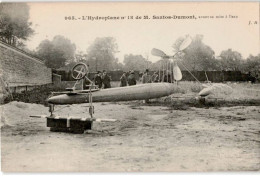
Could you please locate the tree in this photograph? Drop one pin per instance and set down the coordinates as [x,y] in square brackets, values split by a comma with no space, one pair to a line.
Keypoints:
[56,53]
[162,64]
[14,23]
[252,64]
[230,60]
[197,56]
[80,56]
[136,62]
[101,54]
[120,66]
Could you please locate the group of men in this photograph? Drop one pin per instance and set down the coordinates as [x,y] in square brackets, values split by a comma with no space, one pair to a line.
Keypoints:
[146,78]
[128,79]
[101,80]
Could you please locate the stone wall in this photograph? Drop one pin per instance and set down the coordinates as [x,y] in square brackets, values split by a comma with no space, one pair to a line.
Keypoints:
[18,69]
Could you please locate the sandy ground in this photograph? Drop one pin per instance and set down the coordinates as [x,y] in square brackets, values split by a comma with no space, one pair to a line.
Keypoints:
[145,138]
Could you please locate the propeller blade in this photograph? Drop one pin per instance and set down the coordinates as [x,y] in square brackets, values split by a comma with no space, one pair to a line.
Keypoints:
[185,43]
[157,52]
[177,72]
[166,57]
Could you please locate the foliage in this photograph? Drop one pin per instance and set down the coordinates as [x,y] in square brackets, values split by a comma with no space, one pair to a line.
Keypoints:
[80,56]
[197,56]
[230,60]
[162,64]
[136,62]
[101,54]
[252,64]
[14,23]
[37,95]
[56,53]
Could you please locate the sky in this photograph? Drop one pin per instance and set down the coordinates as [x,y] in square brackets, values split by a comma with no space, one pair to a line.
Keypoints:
[139,36]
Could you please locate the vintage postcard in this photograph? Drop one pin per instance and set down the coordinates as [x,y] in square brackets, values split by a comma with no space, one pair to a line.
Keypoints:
[130,86]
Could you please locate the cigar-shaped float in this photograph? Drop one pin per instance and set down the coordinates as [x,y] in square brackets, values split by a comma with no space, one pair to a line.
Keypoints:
[136,92]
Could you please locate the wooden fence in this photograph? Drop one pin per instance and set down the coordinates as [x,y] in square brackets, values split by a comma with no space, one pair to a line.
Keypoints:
[213,76]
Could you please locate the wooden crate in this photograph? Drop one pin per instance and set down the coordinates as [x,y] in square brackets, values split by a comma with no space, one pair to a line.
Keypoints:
[73,125]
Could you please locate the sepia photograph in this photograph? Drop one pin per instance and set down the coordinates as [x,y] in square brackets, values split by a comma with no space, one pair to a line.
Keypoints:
[130,87]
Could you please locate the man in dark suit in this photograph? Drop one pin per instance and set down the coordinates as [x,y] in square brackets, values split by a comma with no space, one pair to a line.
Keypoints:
[98,79]
[106,79]
[123,80]
[131,78]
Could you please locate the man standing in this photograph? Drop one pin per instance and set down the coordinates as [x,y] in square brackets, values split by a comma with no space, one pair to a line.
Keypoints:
[146,79]
[98,80]
[106,80]
[123,80]
[131,78]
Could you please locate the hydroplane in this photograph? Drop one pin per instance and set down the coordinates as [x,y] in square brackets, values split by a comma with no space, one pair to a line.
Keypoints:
[94,94]
[128,93]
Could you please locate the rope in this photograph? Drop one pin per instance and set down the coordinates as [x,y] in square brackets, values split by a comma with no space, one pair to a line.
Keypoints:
[206,76]
[190,72]
[171,72]
[167,71]
[163,71]
[160,65]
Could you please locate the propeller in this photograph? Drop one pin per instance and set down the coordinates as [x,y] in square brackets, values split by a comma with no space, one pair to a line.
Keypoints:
[158,52]
[176,70]
[185,43]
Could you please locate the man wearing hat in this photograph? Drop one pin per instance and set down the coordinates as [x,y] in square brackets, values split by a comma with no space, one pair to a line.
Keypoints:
[106,80]
[123,80]
[131,78]
[98,80]
[146,78]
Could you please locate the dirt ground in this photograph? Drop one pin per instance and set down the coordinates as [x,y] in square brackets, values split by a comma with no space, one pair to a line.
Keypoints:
[144,138]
